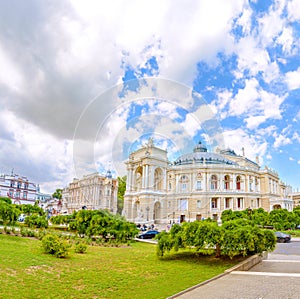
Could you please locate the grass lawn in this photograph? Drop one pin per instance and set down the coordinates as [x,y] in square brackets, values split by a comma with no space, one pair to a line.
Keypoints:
[103,272]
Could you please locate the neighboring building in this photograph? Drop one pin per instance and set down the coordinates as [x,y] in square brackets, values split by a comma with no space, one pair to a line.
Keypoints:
[18,188]
[296,198]
[92,192]
[197,185]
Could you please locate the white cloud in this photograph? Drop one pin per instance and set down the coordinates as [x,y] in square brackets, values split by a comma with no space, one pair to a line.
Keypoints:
[293,79]
[257,104]
[281,140]
[293,10]
[41,157]
[238,139]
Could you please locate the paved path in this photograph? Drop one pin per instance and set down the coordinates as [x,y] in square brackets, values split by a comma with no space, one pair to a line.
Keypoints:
[274,278]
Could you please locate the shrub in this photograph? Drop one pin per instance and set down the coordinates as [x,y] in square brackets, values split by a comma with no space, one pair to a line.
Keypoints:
[80,247]
[53,244]
[36,221]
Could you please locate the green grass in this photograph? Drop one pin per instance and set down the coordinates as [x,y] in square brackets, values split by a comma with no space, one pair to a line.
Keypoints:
[103,272]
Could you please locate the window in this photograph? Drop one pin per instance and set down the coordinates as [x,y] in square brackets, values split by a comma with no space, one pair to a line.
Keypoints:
[18,194]
[170,186]
[19,184]
[198,185]
[182,204]
[198,217]
[226,182]
[251,184]
[183,186]
[213,182]
[227,203]
[239,203]
[238,183]
[11,193]
[12,183]
[257,203]
[198,204]
[214,203]
[25,195]
[26,186]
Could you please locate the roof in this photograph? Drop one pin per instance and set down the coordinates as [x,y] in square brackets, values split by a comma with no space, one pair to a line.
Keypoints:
[200,155]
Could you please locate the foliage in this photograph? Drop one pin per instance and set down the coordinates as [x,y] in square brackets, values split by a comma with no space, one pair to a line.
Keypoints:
[25,232]
[53,244]
[121,192]
[80,247]
[57,194]
[36,221]
[8,213]
[233,238]
[101,223]
[62,219]
[28,209]
[280,219]
[6,199]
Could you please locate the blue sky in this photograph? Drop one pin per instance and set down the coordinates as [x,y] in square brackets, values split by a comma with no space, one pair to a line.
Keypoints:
[84,83]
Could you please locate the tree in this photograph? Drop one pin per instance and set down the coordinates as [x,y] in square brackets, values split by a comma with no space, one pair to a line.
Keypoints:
[121,192]
[6,199]
[8,212]
[57,194]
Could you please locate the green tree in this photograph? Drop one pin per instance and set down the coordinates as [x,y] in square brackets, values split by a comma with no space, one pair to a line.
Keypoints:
[6,199]
[57,194]
[121,192]
[31,209]
[8,213]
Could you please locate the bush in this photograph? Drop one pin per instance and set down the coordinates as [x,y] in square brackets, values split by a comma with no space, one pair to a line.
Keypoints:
[27,232]
[80,247]
[36,221]
[53,244]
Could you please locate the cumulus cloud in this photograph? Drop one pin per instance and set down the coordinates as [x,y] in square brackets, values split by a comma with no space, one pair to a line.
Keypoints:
[65,70]
[293,79]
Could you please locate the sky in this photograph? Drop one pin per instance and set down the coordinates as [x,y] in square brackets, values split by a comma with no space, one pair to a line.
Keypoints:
[84,83]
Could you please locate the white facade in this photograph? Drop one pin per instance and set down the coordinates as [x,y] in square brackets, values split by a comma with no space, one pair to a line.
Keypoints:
[18,188]
[92,192]
[197,185]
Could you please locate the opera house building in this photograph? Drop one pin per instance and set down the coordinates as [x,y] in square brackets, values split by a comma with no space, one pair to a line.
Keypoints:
[197,185]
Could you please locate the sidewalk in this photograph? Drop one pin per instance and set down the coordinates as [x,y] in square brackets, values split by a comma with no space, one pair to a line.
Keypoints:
[276,277]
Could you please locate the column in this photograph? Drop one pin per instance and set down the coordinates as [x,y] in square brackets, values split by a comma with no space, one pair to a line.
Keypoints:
[143,177]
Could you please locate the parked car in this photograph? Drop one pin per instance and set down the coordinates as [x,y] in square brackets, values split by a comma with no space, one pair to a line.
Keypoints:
[282,237]
[21,218]
[150,234]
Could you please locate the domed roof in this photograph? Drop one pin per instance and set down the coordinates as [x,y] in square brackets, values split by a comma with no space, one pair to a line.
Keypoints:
[200,155]
[200,148]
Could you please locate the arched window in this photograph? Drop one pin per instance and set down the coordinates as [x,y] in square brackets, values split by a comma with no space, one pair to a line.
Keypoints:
[213,182]
[226,182]
[238,182]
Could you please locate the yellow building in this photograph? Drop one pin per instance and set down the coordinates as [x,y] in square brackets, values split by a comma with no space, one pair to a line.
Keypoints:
[92,192]
[197,185]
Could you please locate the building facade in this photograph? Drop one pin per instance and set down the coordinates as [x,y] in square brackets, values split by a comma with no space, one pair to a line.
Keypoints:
[197,185]
[18,188]
[92,192]
[296,198]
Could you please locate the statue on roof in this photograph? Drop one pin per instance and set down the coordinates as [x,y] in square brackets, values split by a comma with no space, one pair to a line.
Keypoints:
[150,142]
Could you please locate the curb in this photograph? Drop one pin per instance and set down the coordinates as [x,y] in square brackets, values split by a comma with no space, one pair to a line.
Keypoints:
[242,266]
